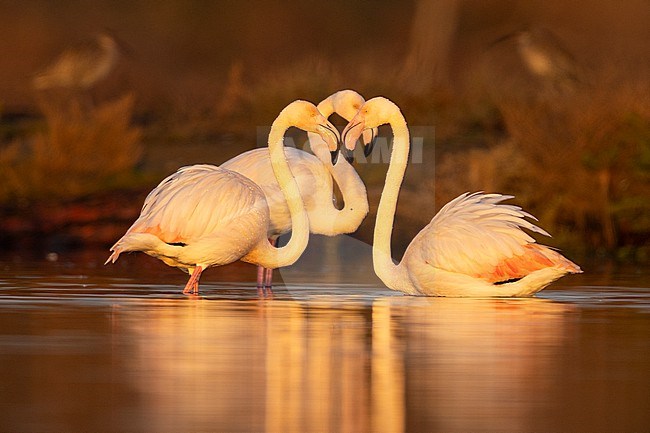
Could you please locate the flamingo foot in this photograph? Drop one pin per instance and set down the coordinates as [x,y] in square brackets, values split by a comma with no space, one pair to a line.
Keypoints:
[192,286]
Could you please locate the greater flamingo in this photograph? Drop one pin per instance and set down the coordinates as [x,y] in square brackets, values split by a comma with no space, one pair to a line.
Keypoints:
[314,177]
[474,246]
[204,215]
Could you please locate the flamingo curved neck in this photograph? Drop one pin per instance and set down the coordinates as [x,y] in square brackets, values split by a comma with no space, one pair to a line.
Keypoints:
[394,276]
[355,199]
[316,143]
[353,190]
[266,254]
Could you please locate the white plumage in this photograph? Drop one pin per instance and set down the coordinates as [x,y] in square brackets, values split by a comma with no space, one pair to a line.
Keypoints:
[479,223]
[309,172]
[474,246]
[314,176]
[204,216]
[192,211]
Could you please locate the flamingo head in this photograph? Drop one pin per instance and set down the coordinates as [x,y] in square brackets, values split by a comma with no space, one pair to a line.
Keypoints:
[374,113]
[305,115]
[347,103]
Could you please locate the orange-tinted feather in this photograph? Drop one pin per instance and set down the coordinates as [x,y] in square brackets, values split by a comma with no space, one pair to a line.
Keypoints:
[534,258]
[164,236]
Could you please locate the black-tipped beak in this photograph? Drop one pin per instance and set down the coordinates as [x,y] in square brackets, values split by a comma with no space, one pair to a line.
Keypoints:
[335,156]
[367,149]
[348,154]
[334,153]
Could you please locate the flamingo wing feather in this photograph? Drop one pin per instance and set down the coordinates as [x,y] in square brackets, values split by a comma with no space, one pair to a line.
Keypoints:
[195,202]
[477,235]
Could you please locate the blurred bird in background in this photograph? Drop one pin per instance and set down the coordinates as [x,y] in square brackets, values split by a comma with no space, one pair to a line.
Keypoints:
[545,57]
[80,68]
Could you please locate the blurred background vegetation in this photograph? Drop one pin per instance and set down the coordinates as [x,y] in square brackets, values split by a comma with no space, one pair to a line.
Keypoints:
[545,100]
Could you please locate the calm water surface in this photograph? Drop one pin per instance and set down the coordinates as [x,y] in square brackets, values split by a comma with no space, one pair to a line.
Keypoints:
[85,347]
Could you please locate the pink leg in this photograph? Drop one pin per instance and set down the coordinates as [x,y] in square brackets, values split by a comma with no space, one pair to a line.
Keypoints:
[260,277]
[192,286]
[268,273]
[268,278]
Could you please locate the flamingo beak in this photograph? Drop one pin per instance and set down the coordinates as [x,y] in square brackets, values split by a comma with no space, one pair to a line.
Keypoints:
[368,146]
[335,156]
[333,139]
[352,132]
[348,155]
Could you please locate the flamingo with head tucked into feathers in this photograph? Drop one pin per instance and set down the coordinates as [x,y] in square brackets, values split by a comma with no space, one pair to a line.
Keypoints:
[204,215]
[314,177]
[474,246]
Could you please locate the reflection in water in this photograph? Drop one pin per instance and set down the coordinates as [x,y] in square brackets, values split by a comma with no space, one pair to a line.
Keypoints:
[388,376]
[195,365]
[257,364]
[95,353]
[316,366]
[321,366]
[484,360]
